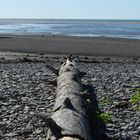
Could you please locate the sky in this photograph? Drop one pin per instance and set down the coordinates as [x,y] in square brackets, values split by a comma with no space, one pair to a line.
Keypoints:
[70,9]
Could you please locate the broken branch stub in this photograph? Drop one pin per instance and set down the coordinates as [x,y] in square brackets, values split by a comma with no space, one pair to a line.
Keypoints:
[69,120]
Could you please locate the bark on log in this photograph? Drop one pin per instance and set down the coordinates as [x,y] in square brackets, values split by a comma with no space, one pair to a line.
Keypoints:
[69,120]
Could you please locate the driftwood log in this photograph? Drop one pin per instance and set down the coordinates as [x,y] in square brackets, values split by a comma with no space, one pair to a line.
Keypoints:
[69,120]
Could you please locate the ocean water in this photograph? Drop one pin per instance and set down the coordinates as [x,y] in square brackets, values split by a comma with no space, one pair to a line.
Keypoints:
[92,28]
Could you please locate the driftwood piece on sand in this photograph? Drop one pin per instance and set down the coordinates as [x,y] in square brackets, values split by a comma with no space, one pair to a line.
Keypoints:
[69,120]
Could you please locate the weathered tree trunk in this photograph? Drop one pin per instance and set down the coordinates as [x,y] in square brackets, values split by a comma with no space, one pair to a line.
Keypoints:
[69,120]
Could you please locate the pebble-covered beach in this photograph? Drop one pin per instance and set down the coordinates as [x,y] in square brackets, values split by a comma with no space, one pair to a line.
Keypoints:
[27,98]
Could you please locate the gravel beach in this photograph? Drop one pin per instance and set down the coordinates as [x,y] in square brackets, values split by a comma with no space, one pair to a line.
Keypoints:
[27,98]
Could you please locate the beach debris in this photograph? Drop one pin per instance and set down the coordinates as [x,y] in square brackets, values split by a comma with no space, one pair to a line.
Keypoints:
[5,37]
[40,53]
[86,57]
[122,104]
[68,120]
[54,70]
[25,59]
[2,58]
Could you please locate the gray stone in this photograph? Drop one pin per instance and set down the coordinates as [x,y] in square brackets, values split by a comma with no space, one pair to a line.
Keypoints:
[125,136]
[124,128]
[26,109]
[131,124]
[11,135]
[138,130]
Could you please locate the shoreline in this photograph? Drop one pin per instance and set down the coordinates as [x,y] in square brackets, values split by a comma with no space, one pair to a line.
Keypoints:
[67,35]
[64,45]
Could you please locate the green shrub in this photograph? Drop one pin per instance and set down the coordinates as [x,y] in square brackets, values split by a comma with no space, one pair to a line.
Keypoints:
[138,108]
[135,98]
[104,117]
[104,102]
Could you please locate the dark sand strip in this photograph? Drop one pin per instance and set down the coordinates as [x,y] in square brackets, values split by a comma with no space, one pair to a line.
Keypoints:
[97,46]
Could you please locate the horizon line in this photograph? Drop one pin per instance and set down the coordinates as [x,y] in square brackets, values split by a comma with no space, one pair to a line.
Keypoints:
[69,18]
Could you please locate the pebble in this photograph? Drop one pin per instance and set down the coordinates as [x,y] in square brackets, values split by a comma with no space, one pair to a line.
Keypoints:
[26,109]
[125,136]
[138,129]
[124,128]
[11,135]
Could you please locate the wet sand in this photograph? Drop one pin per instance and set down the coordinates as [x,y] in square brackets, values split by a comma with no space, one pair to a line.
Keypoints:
[50,44]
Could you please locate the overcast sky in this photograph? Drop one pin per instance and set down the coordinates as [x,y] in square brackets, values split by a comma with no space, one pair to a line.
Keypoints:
[71,9]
